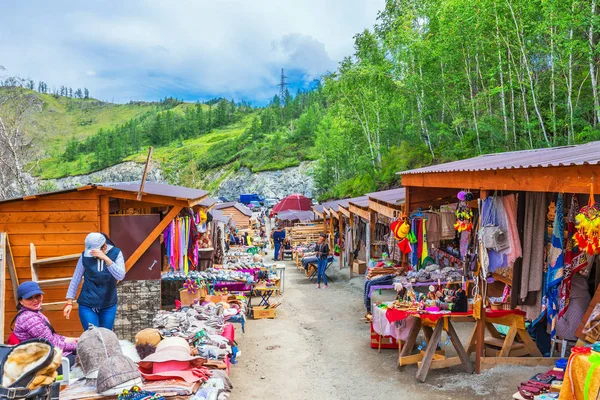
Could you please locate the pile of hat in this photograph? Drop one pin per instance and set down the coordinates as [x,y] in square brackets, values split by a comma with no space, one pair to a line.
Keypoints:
[104,364]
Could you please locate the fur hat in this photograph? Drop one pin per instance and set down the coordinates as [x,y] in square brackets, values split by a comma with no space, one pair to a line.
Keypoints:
[115,374]
[94,347]
[31,364]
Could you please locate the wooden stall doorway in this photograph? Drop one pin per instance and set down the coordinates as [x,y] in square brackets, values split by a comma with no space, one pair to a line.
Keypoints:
[139,293]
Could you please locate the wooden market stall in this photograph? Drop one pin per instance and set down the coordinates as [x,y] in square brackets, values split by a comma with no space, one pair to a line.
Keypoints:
[237,211]
[563,170]
[44,237]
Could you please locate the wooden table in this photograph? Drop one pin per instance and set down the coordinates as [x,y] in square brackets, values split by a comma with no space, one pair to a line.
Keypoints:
[498,345]
[433,326]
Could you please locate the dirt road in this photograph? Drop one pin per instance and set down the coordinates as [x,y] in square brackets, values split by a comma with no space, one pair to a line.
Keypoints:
[318,348]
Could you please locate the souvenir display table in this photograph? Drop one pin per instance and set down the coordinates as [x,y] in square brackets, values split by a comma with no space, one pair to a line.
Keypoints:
[265,294]
[432,324]
[507,345]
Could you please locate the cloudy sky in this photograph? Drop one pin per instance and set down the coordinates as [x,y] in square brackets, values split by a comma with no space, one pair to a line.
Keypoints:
[190,49]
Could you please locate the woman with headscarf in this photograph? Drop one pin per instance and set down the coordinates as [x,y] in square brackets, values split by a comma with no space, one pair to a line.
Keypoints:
[101,265]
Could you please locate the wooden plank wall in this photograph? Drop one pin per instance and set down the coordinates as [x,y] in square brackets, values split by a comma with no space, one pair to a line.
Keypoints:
[57,225]
[242,221]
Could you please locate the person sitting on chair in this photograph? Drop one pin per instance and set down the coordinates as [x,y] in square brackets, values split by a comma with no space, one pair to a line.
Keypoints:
[30,323]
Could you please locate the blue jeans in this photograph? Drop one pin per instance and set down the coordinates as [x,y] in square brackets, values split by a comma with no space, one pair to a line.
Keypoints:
[321,266]
[100,317]
[276,254]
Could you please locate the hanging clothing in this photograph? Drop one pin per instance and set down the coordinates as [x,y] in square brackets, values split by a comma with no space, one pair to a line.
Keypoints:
[532,275]
[434,229]
[425,249]
[394,252]
[555,265]
[574,260]
[515,250]
[447,221]
[569,319]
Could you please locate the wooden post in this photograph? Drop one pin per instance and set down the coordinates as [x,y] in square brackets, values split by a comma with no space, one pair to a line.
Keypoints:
[372,223]
[146,167]
[480,344]
[341,228]
[2,283]
[104,213]
[351,260]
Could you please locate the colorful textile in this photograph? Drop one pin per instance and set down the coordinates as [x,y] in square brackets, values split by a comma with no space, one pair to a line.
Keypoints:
[394,315]
[574,261]
[510,207]
[555,265]
[425,251]
[578,382]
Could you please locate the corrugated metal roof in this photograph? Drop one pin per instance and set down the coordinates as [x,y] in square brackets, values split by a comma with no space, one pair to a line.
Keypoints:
[392,196]
[160,189]
[208,202]
[242,208]
[318,208]
[153,188]
[362,201]
[583,154]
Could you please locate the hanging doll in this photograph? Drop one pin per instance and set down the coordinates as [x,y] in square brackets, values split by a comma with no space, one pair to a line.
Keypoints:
[587,236]
[464,214]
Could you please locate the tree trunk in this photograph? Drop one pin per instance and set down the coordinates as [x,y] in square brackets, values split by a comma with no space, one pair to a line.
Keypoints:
[500,70]
[592,49]
[475,124]
[521,43]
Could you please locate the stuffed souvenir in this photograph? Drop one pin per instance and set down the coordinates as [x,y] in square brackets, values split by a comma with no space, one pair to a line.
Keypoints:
[464,214]
[587,223]
[191,286]
[400,230]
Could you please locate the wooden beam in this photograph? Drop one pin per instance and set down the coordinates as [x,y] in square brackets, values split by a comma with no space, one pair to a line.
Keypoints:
[359,211]
[150,198]
[388,211]
[351,260]
[2,283]
[570,179]
[195,202]
[144,174]
[104,214]
[344,211]
[139,252]
[491,362]
[12,270]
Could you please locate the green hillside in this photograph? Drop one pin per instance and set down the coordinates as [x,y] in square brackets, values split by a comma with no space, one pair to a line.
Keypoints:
[191,140]
[63,118]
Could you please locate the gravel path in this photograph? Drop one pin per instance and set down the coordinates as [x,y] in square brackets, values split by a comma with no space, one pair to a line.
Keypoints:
[318,348]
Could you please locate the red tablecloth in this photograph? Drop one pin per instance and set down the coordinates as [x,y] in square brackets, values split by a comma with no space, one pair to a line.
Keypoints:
[394,315]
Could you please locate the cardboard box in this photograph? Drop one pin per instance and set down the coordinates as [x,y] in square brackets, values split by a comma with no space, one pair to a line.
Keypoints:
[261,312]
[359,267]
[187,299]
[387,342]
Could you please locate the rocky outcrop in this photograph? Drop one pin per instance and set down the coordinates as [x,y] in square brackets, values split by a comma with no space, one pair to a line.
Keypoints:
[271,184]
[124,172]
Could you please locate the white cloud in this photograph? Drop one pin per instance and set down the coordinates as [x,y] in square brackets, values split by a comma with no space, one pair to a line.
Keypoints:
[192,49]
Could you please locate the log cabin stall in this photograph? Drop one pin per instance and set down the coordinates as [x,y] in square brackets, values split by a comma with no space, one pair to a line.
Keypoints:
[535,227]
[43,237]
[240,214]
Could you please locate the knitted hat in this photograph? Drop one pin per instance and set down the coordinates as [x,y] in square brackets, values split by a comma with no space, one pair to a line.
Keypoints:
[115,374]
[94,347]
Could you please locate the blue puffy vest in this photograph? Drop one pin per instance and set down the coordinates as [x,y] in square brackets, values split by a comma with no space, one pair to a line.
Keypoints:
[99,288]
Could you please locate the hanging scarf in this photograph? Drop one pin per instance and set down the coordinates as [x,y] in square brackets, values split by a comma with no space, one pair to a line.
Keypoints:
[555,271]
[425,252]
[573,260]
[413,255]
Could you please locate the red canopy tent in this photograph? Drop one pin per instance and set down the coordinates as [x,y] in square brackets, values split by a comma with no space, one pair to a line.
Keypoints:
[293,202]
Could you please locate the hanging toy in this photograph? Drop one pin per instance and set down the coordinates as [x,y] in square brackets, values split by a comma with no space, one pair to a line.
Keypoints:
[464,214]
[191,286]
[400,229]
[587,223]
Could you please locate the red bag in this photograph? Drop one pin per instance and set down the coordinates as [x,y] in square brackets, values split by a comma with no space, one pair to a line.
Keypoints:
[13,340]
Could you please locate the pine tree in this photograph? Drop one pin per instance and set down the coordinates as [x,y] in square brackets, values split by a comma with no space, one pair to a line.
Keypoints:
[86,93]
[70,92]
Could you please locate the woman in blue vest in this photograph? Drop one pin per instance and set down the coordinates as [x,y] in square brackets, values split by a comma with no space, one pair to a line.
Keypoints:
[101,265]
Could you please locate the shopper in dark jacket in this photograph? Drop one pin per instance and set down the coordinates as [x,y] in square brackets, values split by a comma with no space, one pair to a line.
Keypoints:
[322,251]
